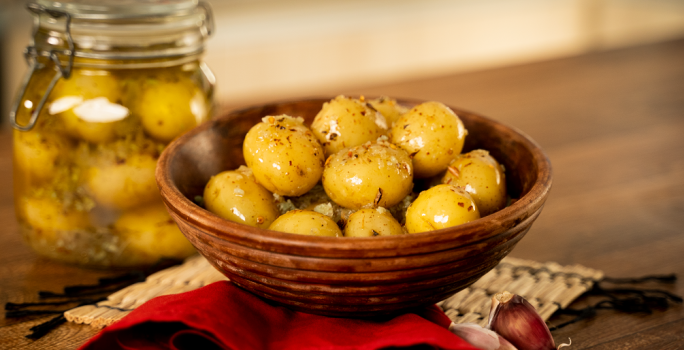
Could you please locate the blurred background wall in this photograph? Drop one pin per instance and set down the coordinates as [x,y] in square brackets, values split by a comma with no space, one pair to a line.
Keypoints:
[275,49]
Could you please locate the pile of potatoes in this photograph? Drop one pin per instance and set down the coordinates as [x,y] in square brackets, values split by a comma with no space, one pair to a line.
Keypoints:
[351,172]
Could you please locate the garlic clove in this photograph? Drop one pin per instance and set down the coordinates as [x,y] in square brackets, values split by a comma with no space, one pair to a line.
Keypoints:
[64,103]
[100,110]
[515,319]
[480,337]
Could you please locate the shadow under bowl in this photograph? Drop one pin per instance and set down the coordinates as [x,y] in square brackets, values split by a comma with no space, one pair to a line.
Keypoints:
[348,277]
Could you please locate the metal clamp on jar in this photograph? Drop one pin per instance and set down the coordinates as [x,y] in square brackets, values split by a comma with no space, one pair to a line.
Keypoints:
[110,84]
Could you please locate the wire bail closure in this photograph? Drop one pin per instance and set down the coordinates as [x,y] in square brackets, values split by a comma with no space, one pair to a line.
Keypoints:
[31,55]
[209,25]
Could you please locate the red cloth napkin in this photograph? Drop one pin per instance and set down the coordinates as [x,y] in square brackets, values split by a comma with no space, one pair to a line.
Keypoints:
[224,316]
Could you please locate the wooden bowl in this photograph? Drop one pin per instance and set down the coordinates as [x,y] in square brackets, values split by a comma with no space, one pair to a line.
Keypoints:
[349,277]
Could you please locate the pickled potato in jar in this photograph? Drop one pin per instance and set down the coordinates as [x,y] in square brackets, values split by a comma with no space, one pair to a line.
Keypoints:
[86,171]
[88,105]
[168,105]
[150,234]
[124,184]
[39,154]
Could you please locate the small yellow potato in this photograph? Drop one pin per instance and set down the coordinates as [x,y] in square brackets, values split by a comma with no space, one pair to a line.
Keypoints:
[389,108]
[440,207]
[92,131]
[432,134]
[149,231]
[236,196]
[368,176]
[482,176]
[88,84]
[125,184]
[284,155]
[87,131]
[49,215]
[37,154]
[306,222]
[169,108]
[346,122]
[372,222]
[84,85]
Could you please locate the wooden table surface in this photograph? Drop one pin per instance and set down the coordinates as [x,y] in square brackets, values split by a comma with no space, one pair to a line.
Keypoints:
[612,124]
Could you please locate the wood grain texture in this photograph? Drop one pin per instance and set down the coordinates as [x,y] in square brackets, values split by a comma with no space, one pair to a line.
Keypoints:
[611,124]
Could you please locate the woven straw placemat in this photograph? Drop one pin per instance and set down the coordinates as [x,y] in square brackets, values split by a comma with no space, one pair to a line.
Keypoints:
[547,286]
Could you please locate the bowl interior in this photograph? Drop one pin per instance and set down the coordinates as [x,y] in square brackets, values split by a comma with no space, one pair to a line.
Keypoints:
[217,146]
[190,161]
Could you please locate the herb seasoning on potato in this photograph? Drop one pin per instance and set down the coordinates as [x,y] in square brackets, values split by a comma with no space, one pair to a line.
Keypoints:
[432,134]
[346,122]
[482,177]
[306,222]
[366,190]
[368,176]
[440,207]
[236,196]
[284,155]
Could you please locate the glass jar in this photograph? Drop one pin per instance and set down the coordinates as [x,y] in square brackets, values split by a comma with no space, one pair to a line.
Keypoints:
[110,84]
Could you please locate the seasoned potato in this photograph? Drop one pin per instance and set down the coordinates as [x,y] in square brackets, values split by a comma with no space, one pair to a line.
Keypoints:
[482,176]
[70,100]
[168,108]
[372,222]
[345,122]
[150,232]
[284,155]
[368,176]
[432,134]
[48,214]
[306,222]
[389,108]
[236,196]
[37,153]
[440,207]
[125,184]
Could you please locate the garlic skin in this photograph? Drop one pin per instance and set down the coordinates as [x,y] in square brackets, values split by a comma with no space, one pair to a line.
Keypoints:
[480,337]
[100,110]
[515,319]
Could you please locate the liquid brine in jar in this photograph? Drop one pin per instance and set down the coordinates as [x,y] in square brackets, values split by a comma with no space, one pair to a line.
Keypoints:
[110,84]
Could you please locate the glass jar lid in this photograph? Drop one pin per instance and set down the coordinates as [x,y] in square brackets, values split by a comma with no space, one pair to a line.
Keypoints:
[119,9]
[110,33]
[122,29]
